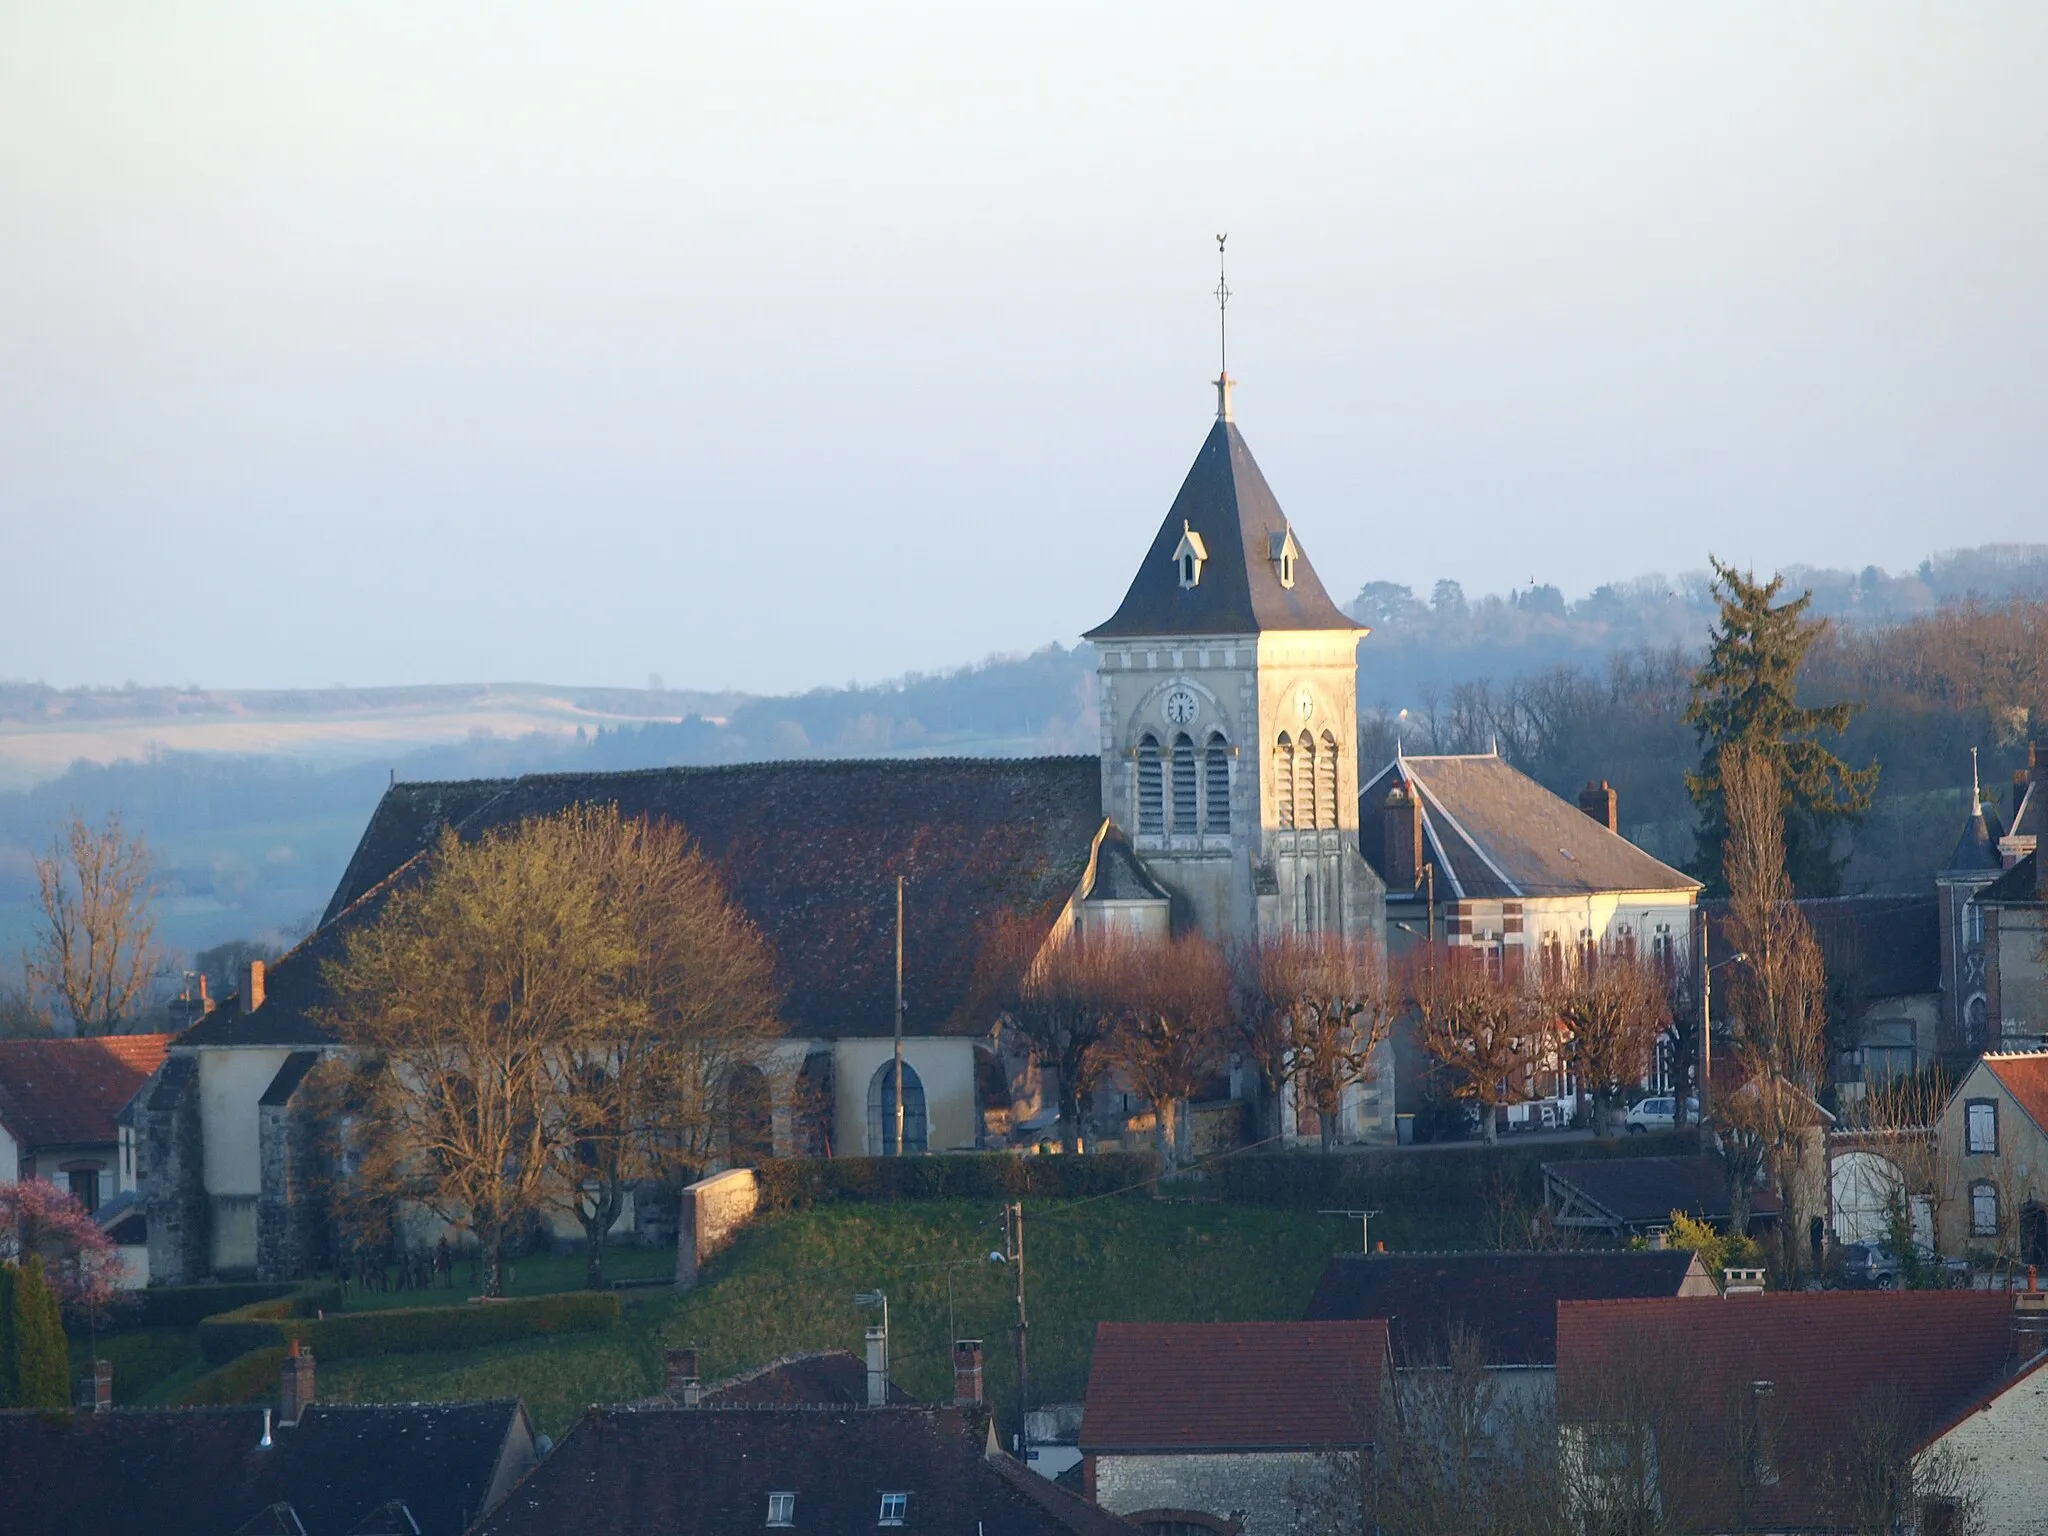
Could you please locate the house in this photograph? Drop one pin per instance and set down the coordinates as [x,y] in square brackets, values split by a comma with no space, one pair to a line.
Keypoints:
[741,1470]
[1795,1410]
[1993,1151]
[1972,864]
[825,1378]
[302,1469]
[60,1103]
[2013,912]
[1228,1426]
[1633,1196]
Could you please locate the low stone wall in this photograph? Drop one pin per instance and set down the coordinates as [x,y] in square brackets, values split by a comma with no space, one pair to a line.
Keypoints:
[712,1211]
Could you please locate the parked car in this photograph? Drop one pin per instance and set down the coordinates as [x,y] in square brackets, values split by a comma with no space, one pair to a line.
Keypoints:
[1659,1113]
[1872,1266]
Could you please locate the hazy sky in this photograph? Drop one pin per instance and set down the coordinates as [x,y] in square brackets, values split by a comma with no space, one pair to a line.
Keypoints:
[771,346]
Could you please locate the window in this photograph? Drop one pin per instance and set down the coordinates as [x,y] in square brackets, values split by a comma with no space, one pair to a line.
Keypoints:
[882,1110]
[1550,958]
[893,1505]
[1973,925]
[1283,782]
[1184,780]
[1983,1209]
[1188,556]
[85,1188]
[1151,788]
[782,1509]
[1983,1125]
[1326,782]
[1216,771]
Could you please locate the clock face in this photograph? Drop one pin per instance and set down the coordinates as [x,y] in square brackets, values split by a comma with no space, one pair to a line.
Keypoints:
[1180,706]
[1305,703]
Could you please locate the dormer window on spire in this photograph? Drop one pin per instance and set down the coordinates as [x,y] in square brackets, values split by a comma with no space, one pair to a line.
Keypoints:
[1189,555]
[1282,550]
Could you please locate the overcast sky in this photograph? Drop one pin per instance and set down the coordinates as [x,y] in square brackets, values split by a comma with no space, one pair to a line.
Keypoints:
[771,346]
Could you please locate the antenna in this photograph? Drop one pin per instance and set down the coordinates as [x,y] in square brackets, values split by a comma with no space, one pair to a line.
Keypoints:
[1223,379]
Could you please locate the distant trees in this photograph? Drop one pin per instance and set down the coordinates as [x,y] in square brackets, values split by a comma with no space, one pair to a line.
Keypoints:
[1746,694]
[1312,1009]
[553,1010]
[95,945]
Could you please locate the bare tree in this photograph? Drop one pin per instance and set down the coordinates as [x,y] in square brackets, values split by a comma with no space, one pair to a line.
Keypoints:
[1485,1031]
[1062,997]
[1778,991]
[1170,1036]
[1313,1008]
[1879,1479]
[95,945]
[1615,1006]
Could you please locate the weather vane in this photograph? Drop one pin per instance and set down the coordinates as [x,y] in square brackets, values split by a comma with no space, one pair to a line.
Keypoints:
[1222,306]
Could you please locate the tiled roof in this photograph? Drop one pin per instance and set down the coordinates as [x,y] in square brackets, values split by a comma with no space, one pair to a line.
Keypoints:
[1644,1191]
[1226,502]
[1829,1357]
[830,1376]
[2017,887]
[202,1471]
[810,850]
[1493,832]
[685,1472]
[1233,1386]
[1508,1301]
[56,1093]
[2024,1075]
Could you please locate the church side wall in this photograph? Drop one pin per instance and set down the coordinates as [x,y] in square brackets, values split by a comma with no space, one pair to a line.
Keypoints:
[231,1085]
[945,1069]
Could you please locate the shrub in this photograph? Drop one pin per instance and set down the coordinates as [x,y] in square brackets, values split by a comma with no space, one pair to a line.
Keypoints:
[245,1379]
[35,1357]
[797,1183]
[181,1306]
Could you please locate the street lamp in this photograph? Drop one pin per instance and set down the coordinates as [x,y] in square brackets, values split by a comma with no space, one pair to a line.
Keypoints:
[1707,1016]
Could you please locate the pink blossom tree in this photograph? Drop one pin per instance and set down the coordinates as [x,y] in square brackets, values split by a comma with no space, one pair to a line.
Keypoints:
[82,1263]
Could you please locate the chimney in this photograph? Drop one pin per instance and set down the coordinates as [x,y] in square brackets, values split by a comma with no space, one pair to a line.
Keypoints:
[1742,1282]
[1402,818]
[1600,802]
[878,1367]
[2019,792]
[2029,1320]
[967,1373]
[205,1002]
[680,1382]
[102,1385]
[295,1391]
[252,986]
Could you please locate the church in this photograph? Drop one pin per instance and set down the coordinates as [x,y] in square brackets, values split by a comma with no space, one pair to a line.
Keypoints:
[1224,799]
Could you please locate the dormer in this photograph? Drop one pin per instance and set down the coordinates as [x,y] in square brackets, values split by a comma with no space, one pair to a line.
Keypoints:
[1282,551]
[1188,557]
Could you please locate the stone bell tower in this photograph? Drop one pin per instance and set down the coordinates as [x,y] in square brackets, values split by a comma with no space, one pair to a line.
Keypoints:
[1229,713]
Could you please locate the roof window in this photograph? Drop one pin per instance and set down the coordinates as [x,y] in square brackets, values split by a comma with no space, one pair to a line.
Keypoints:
[893,1506]
[1283,551]
[1189,555]
[782,1509]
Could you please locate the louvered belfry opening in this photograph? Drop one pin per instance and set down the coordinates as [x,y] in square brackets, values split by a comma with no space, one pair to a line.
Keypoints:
[1283,782]
[1151,789]
[1185,815]
[1216,765]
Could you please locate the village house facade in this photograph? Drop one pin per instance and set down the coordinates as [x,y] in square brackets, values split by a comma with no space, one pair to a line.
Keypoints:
[1993,1139]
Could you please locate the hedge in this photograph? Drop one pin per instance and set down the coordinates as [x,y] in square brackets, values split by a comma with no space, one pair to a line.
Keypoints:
[223,1337]
[1453,1176]
[796,1183]
[181,1306]
[247,1378]
[409,1330]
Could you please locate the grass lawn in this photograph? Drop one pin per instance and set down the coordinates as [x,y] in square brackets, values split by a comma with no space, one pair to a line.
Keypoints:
[788,1285]
[537,1275]
[143,1359]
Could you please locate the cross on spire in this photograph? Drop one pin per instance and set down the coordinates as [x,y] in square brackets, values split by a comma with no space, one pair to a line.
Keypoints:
[1223,379]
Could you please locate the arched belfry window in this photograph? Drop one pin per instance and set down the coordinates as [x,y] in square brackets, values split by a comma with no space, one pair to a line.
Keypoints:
[1151,788]
[1216,773]
[1184,780]
[1326,782]
[1305,781]
[882,1111]
[1283,781]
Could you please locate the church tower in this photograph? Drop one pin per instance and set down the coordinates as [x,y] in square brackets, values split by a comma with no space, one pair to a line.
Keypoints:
[1229,713]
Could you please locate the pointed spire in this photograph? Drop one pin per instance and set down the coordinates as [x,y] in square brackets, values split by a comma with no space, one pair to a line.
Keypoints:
[1976,787]
[1224,382]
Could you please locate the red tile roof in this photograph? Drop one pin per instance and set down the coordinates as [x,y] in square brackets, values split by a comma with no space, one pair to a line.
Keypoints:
[1233,1386]
[2024,1075]
[61,1093]
[1831,1358]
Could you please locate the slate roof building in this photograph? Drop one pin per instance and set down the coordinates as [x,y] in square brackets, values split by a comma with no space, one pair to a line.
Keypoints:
[1631,1196]
[2013,918]
[724,1472]
[1191,1425]
[1972,865]
[1755,1413]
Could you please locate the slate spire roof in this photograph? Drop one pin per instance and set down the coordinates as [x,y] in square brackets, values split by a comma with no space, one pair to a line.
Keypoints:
[1230,511]
[1976,850]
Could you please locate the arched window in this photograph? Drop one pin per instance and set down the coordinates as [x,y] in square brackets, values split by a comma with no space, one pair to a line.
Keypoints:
[1184,780]
[1305,781]
[882,1111]
[749,1115]
[1151,788]
[1326,782]
[1283,782]
[1216,769]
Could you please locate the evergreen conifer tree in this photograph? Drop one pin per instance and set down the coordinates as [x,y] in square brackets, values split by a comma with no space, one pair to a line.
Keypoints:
[1746,694]
[38,1352]
[9,1383]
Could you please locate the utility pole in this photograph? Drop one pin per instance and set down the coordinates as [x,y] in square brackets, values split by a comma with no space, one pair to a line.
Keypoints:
[1016,1257]
[1706,1020]
[1429,877]
[899,1015]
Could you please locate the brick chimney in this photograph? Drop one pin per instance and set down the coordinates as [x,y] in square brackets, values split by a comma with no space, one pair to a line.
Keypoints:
[967,1373]
[680,1382]
[1402,818]
[295,1391]
[1742,1281]
[102,1385]
[1600,802]
[878,1367]
[252,986]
